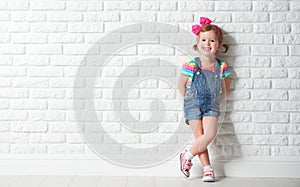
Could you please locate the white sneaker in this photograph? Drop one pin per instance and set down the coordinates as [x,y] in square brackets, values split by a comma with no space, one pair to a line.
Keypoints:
[208,175]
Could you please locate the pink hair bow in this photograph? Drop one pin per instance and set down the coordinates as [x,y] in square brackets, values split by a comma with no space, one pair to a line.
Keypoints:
[203,21]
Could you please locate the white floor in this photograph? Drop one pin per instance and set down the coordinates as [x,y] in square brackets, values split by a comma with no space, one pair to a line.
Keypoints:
[105,181]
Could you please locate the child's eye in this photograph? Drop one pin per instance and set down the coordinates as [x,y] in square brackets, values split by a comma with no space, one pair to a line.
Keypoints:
[212,40]
[203,40]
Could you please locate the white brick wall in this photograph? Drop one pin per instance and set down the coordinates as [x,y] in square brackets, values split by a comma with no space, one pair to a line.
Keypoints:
[42,44]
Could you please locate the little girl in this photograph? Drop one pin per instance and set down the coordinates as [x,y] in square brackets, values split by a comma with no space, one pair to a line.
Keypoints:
[204,83]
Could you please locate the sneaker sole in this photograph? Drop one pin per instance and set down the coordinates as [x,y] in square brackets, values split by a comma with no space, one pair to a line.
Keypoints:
[185,174]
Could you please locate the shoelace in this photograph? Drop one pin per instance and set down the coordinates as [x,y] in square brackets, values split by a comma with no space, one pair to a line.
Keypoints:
[208,172]
[187,164]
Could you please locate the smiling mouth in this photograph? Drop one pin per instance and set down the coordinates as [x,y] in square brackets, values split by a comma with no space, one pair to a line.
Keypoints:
[206,48]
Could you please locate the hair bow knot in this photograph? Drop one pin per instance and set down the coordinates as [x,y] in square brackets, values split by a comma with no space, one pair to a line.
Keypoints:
[203,21]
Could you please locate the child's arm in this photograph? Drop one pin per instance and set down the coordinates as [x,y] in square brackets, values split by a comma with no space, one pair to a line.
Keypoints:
[226,88]
[181,84]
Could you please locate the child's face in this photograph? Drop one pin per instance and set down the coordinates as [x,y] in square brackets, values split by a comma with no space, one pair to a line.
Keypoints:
[208,43]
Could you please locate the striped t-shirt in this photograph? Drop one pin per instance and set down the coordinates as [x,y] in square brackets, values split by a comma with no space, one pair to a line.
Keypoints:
[189,68]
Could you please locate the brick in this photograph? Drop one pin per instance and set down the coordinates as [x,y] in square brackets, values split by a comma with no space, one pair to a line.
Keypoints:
[66,60]
[270,6]
[58,126]
[47,5]
[10,49]
[167,5]
[10,71]
[237,28]
[30,39]
[85,27]
[138,17]
[6,60]
[294,95]
[269,95]
[65,105]
[155,50]
[81,49]
[295,50]
[47,138]
[294,6]
[269,73]
[85,5]
[238,117]
[13,138]
[103,16]
[66,83]
[13,93]
[111,49]
[233,6]
[65,148]
[121,5]
[285,150]
[20,5]
[158,138]
[252,62]
[123,138]
[64,16]
[251,17]
[243,50]
[293,17]
[4,126]
[63,38]
[240,73]
[253,38]
[294,73]
[4,148]
[77,138]
[272,117]
[31,82]
[261,84]
[29,127]
[279,17]
[272,28]
[3,5]
[223,140]
[48,27]
[294,140]
[174,17]
[262,50]
[195,6]
[45,71]
[28,149]
[28,105]
[219,18]
[251,150]
[150,6]
[239,95]
[290,61]
[286,106]
[270,140]
[286,84]
[287,39]
[29,16]
[54,115]
[242,83]
[250,106]
[5,16]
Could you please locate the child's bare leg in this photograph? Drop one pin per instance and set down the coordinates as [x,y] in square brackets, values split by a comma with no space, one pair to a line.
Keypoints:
[197,128]
[210,125]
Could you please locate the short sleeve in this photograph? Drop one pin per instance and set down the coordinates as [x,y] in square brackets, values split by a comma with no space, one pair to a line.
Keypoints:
[188,68]
[224,70]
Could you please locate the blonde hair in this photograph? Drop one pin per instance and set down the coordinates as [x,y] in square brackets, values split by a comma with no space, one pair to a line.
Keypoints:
[218,32]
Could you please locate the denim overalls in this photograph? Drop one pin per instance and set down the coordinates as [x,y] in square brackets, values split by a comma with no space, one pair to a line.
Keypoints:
[204,96]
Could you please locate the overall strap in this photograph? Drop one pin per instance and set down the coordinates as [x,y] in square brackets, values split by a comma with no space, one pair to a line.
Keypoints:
[197,61]
[218,65]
